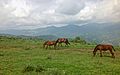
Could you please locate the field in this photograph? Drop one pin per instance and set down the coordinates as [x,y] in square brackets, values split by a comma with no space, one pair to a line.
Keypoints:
[27,57]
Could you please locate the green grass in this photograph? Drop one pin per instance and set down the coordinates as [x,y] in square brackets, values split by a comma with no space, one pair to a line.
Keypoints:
[27,57]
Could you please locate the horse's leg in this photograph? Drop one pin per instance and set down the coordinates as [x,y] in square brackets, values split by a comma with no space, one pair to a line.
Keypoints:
[66,44]
[100,53]
[113,56]
[54,46]
[61,44]
[58,44]
[43,46]
[46,46]
[49,46]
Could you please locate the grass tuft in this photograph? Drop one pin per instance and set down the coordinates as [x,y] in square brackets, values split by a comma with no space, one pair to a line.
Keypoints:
[39,68]
[1,54]
[29,68]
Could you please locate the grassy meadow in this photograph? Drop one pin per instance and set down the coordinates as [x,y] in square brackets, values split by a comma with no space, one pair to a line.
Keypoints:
[27,57]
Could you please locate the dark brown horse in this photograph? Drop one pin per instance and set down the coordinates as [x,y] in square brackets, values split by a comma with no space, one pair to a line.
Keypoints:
[104,47]
[49,43]
[62,40]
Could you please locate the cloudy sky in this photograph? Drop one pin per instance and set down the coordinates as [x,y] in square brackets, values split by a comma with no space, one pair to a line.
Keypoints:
[28,14]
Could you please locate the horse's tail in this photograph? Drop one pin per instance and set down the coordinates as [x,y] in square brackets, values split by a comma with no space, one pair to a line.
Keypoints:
[113,48]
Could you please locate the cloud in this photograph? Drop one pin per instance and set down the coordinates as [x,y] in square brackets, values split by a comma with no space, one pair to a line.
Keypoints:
[108,10]
[40,13]
[69,7]
[105,10]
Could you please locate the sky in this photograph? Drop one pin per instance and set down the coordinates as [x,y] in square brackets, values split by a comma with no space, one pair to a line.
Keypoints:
[30,14]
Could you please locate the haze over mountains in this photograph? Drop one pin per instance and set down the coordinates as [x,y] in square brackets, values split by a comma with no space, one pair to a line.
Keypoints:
[98,32]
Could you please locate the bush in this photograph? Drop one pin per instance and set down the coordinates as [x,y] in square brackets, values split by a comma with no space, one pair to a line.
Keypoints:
[79,40]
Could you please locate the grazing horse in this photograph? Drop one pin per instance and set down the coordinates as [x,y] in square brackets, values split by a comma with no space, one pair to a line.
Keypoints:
[104,47]
[49,43]
[62,40]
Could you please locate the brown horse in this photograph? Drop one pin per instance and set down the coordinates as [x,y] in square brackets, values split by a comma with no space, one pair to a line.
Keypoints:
[104,47]
[62,40]
[49,43]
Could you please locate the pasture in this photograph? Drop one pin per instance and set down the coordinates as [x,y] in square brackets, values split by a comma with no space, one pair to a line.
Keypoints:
[27,57]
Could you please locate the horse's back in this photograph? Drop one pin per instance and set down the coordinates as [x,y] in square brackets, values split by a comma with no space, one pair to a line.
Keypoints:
[104,46]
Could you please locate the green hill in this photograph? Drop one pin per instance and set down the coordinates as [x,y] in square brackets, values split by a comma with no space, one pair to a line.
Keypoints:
[98,32]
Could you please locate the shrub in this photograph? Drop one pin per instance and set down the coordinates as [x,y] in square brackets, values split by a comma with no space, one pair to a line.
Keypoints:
[79,40]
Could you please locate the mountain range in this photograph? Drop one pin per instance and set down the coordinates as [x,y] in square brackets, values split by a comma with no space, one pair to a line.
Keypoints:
[98,32]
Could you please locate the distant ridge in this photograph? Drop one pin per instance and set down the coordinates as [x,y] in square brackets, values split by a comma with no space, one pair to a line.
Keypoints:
[42,37]
[98,32]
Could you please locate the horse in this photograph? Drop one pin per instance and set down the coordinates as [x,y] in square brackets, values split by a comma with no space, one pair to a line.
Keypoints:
[49,43]
[104,47]
[62,40]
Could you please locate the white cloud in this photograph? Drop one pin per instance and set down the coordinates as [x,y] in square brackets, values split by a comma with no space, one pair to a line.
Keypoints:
[21,8]
[106,10]
[40,13]
[13,12]
[69,7]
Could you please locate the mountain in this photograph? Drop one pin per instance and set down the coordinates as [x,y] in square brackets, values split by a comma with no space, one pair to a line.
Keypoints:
[98,32]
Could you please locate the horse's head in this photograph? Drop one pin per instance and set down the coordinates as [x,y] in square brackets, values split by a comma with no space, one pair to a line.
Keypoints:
[95,50]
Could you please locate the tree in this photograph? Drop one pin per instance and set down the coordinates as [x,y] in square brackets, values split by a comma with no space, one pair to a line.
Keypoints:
[79,40]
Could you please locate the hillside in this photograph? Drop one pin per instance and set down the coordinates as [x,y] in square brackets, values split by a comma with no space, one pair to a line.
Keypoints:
[98,32]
